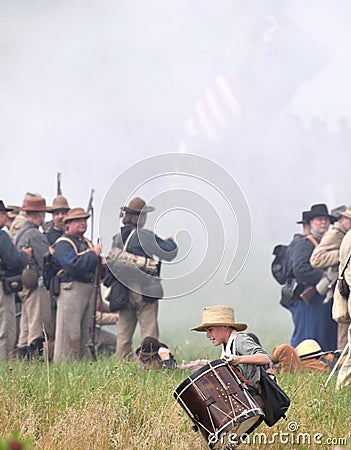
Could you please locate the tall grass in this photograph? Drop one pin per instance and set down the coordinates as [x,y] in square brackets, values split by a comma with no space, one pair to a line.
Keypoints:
[107,406]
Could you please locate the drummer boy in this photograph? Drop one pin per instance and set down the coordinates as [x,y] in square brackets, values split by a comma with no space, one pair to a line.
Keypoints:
[239,349]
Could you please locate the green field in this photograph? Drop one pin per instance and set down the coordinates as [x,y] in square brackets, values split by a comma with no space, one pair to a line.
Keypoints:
[102,405]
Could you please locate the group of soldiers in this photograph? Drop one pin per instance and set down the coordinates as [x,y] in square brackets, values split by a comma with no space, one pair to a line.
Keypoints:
[317,257]
[56,330]
[55,274]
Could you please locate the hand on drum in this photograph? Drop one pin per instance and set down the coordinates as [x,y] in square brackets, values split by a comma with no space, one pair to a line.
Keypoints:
[234,360]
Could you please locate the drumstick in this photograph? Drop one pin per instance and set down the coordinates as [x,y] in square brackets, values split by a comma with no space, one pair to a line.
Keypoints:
[336,365]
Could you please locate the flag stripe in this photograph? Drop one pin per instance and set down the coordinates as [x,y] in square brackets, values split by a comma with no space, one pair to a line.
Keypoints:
[212,111]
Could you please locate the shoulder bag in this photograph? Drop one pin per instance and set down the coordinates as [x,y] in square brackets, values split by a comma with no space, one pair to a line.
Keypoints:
[340,310]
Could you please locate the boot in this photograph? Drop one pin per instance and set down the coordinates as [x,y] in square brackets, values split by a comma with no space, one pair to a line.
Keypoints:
[22,353]
[36,349]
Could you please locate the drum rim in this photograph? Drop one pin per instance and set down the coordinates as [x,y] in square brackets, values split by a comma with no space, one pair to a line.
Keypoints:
[226,429]
[199,372]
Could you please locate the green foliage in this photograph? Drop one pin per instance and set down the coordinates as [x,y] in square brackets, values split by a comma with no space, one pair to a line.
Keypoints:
[107,406]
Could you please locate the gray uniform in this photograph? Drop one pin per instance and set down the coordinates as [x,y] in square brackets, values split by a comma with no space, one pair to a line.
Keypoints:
[36,321]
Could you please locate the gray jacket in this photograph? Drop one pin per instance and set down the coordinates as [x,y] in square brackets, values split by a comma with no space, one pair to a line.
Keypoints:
[242,344]
[30,236]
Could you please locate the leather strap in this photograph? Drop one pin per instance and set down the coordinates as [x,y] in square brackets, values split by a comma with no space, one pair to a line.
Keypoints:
[312,239]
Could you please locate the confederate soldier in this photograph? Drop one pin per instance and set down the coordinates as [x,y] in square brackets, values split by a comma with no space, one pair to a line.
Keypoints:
[21,217]
[10,217]
[140,307]
[307,355]
[12,262]
[344,375]
[36,320]
[312,317]
[78,259]
[326,256]
[59,211]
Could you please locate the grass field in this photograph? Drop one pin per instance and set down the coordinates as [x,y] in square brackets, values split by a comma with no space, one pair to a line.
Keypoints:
[103,406]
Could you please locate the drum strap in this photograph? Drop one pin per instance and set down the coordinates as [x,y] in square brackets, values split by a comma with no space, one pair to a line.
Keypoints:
[240,375]
[231,348]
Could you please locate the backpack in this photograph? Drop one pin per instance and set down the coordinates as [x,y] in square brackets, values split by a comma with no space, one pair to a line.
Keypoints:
[280,267]
[276,401]
[50,270]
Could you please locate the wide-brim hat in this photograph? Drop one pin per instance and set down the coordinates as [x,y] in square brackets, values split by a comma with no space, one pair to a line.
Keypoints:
[309,348]
[137,206]
[336,212]
[304,217]
[219,316]
[319,210]
[14,211]
[36,204]
[76,213]
[60,203]
[347,212]
[3,207]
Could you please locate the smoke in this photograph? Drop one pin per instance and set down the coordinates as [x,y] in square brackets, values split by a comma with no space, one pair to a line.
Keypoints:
[89,88]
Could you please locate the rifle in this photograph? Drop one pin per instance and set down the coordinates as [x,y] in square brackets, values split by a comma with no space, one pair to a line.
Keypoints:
[90,209]
[59,190]
[97,297]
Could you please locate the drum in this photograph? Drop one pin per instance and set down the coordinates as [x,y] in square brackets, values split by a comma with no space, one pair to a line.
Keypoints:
[219,404]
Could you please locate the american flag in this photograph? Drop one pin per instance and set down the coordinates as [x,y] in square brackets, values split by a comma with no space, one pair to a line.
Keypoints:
[212,111]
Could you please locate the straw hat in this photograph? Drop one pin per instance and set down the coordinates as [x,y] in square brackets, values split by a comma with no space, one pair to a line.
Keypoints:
[219,316]
[60,203]
[309,348]
[76,213]
[136,206]
[36,204]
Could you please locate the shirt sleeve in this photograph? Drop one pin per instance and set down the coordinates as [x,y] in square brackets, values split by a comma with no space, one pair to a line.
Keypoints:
[13,260]
[153,245]
[75,265]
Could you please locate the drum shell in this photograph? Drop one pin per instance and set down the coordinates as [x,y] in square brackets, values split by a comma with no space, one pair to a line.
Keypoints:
[218,402]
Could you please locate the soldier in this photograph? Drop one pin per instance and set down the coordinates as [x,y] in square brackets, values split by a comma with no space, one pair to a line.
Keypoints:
[59,211]
[78,258]
[140,307]
[307,355]
[12,262]
[344,375]
[21,217]
[311,316]
[326,256]
[10,217]
[36,319]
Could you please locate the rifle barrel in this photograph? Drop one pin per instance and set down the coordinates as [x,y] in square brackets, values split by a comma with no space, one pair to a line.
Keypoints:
[59,191]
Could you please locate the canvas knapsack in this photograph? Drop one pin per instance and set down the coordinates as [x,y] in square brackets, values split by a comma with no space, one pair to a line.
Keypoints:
[280,267]
[276,401]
